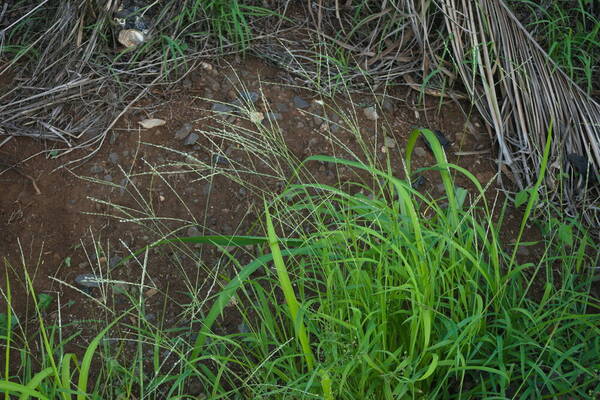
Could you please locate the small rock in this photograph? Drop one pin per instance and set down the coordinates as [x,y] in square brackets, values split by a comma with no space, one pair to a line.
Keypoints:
[219,159]
[299,102]
[191,139]
[243,328]
[256,117]
[113,261]
[182,132]
[108,178]
[371,113]
[215,86]
[282,107]
[96,169]
[389,142]
[87,280]
[273,116]
[113,137]
[444,142]
[419,152]
[523,251]
[152,123]
[388,105]
[418,181]
[193,231]
[187,83]
[113,158]
[248,97]
[221,108]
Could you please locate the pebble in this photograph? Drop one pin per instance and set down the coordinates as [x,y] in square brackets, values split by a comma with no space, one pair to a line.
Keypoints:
[108,178]
[299,102]
[113,158]
[193,231]
[221,108]
[371,113]
[273,116]
[96,169]
[389,142]
[182,132]
[87,280]
[191,139]
[113,137]
[187,83]
[113,261]
[523,251]
[419,151]
[248,97]
[282,107]
[215,86]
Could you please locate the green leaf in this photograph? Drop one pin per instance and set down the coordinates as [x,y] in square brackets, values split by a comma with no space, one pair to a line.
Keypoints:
[44,301]
[565,233]
[521,198]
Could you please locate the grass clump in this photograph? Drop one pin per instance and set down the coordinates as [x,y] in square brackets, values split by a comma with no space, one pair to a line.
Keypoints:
[367,289]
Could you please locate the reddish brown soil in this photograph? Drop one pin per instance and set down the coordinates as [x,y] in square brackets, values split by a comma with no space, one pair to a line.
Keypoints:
[54,232]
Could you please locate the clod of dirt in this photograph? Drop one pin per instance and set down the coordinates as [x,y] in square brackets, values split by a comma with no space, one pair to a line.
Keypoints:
[299,102]
[371,113]
[182,132]
[152,123]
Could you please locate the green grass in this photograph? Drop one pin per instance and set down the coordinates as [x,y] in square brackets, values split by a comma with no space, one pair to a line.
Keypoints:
[570,34]
[382,293]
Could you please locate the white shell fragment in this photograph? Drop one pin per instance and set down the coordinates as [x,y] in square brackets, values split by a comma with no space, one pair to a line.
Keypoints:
[152,123]
[131,37]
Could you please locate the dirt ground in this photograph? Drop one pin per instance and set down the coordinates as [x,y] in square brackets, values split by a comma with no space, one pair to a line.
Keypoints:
[54,234]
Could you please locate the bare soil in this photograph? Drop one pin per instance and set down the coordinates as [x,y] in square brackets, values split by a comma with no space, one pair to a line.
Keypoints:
[53,234]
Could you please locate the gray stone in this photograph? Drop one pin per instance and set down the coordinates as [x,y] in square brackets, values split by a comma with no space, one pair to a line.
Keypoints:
[113,158]
[299,102]
[96,169]
[221,108]
[273,116]
[113,261]
[282,107]
[187,83]
[108,178]
[191,139]
[419,152]
[193,231]
[371,113]
[389,142]
[248,97]
[182,132]
[87,280]
[113,137]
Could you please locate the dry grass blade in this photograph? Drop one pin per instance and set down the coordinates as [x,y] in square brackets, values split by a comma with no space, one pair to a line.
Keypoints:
[520,91]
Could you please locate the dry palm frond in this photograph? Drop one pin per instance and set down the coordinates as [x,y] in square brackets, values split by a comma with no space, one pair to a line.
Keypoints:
[520,91]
